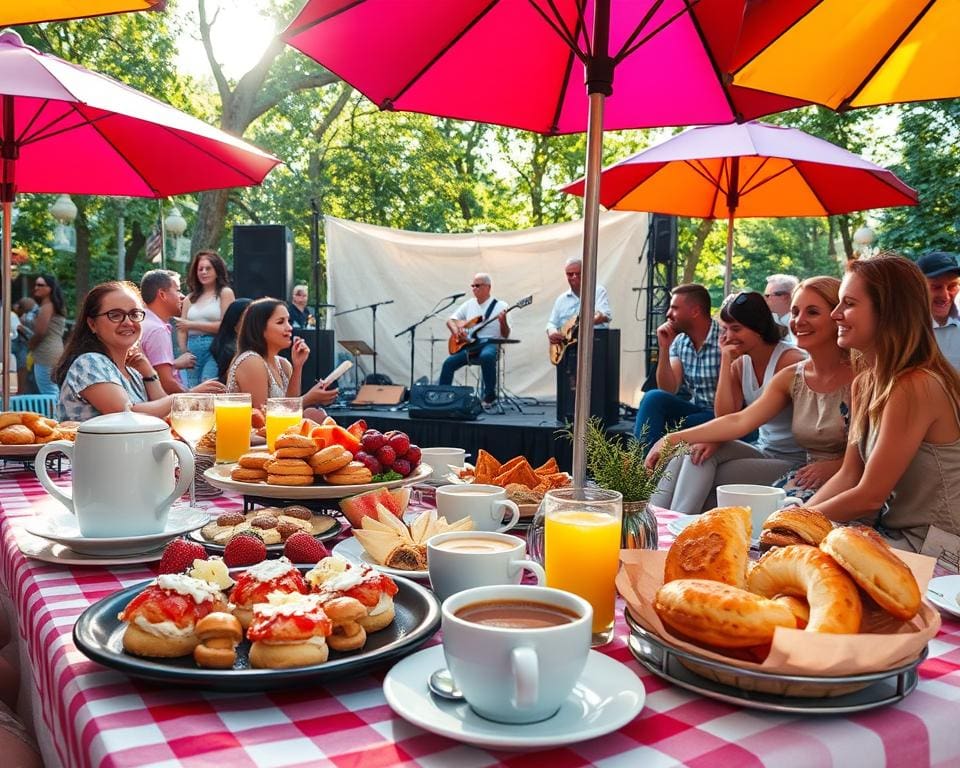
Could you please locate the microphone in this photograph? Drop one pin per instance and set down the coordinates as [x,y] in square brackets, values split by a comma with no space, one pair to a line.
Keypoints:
[456,296]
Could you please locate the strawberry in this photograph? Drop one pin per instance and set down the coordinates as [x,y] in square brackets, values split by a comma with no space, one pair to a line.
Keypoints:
[179,554]
[303,548]
[244,549]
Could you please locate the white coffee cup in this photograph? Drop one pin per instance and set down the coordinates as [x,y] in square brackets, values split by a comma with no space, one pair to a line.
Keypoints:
[763,501]
[516,675]
[441,459]
[485,504]
[462,560]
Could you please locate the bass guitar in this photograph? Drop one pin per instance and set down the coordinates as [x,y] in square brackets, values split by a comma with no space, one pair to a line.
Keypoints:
[473,326]
[569,331]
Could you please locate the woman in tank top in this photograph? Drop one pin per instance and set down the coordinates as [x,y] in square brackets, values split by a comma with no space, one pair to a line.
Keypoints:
[901,469]
[823,380]
[199,321]
[751,353]
[46,343]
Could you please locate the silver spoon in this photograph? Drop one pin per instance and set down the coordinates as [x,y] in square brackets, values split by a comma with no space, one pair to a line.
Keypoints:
[441,684]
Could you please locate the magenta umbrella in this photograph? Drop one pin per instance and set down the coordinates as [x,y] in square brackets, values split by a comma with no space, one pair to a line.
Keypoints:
[523,63]
[747,171]
[66,129]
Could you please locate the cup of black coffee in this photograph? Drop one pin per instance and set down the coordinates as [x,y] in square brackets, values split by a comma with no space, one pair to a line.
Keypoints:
[516,652]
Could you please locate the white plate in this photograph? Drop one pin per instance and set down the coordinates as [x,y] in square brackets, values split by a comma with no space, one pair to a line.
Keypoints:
[20,451]
[677,525]
[608,696]
[62,528]
[949,587]
[50,552]
[219,476]
[352,550]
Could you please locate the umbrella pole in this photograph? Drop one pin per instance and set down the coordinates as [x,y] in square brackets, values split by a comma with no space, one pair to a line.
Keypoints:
[728,270]
[733,199]
[5,299]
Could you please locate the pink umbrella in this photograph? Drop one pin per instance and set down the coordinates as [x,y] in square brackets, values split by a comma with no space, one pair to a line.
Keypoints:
[747,171]
[66,129]
[522,63]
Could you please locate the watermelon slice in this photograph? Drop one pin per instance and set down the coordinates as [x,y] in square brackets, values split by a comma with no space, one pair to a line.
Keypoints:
[355,508]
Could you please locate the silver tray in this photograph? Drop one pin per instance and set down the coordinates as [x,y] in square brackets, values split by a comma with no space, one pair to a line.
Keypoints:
[882,688]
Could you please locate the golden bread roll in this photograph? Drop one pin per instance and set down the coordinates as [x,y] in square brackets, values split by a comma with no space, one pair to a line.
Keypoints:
[794,525]
[139,642]
[16,434]
[290,479]
[719,614]
[247,475]
[219,634]
[8,418]
[295,453]
[287,440]
[329,459]
[870,561]
[713,547]
[804,571]
[289,467]
[41,427]
[255,460]
[55,435]
[354,473]
[286,655]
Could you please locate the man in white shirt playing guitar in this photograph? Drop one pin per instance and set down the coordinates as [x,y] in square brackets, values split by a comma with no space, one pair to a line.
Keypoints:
[561,328]
[481,308]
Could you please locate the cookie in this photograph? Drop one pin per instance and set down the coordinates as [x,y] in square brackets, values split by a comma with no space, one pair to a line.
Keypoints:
[290,479]
[255,460]
[289,467]
[245,475]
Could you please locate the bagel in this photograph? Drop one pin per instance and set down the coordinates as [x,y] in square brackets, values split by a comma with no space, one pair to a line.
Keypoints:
[290,479]
[870,561]
[713,547]
[289,467]
[16,434]
[246,475]
[219,635]
[807,572]
[329,459]
[719,614]
[255,460]
[287,440]
[354,473]
[795,525]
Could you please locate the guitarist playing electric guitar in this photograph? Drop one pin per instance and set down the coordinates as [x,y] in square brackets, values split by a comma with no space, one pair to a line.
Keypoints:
[486,307]
[564,319]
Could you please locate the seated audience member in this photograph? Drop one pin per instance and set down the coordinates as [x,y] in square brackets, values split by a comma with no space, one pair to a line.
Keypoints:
[265,330]
[102,370]
[160,290]
[943,280]
[751,353]
[818,388]
[688,364]
[902,465]
[777,293]
[224,345]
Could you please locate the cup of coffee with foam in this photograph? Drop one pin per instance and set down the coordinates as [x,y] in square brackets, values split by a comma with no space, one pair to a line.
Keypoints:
[464,559]
[487,505]
[516,652]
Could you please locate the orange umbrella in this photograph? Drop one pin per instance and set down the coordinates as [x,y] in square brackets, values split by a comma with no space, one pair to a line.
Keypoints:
[37,11]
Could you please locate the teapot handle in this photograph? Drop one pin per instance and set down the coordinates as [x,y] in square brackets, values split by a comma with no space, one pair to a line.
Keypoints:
[185,457]
[40,468]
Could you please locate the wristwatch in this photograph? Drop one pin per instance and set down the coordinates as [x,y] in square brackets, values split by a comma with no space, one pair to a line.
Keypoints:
[154,377]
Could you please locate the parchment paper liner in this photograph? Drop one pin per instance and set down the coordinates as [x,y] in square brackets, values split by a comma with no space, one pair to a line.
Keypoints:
[883,642]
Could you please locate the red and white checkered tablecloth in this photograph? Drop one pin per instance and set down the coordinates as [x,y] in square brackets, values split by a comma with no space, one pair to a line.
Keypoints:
[98,717]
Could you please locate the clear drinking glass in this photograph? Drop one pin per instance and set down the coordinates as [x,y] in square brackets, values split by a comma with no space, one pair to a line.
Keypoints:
[192,416]
[576,534]
[281,412]
[233,414]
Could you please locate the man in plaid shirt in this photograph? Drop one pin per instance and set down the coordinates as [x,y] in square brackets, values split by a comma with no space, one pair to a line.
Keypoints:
[687,368]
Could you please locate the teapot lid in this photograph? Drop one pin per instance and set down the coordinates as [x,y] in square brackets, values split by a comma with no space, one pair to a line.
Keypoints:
[123,422]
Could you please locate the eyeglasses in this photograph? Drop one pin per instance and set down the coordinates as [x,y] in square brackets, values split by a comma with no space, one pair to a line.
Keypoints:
[776,293]
[117,316]
[477,285]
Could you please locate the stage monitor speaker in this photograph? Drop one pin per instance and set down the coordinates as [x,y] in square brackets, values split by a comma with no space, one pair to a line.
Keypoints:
[663,239]
[605,382]
[262,261]
[320,361]
[431,401]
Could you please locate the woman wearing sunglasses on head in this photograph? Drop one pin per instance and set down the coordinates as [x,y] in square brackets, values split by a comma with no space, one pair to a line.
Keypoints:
[102,369]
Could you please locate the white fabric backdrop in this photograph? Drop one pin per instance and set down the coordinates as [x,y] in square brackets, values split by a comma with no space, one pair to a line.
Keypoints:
[367,264]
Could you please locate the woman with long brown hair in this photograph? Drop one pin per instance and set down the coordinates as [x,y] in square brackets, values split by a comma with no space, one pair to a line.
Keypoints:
[203,308]
[901,468]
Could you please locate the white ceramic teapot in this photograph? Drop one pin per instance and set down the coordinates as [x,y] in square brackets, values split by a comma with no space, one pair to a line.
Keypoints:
[123,474]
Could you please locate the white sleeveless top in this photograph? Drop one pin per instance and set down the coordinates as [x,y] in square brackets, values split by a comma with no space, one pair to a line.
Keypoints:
[205,311]
[274,388]
[776,436]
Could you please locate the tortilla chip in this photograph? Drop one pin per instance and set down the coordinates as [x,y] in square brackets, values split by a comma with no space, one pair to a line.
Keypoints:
[521,473]
[486,468]
[507,466]
[549,467]
[556,480]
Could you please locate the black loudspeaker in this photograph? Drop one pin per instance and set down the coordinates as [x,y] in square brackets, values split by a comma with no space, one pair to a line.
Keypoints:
[320,362]
[663,241]
[262,261]
[429,401]
[605,382]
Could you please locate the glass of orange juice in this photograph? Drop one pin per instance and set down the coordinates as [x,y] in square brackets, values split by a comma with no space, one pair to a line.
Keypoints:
[581,549]
[282,412]
[233,413]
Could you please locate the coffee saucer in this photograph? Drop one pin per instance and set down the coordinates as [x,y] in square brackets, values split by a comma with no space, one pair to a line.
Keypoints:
[62,528]
[607,697]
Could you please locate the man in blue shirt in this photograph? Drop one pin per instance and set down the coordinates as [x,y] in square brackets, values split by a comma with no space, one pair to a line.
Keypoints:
[688,366]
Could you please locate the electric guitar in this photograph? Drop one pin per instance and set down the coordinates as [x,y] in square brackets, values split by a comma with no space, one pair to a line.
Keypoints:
[473,326]
[569,330]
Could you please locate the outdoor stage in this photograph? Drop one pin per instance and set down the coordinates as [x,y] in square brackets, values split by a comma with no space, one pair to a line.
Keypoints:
[534,433]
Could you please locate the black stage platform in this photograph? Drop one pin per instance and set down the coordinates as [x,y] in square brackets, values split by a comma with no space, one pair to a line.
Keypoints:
[533,434]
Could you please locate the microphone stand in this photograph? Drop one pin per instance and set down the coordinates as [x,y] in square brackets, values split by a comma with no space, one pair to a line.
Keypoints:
[372,307]
[412,330]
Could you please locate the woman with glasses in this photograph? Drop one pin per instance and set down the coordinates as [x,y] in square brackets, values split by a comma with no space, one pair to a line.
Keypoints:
[102,369]
[46,343]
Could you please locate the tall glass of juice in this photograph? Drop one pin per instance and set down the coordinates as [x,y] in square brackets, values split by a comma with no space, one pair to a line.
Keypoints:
[233,414]
[582,549]
[282,412]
